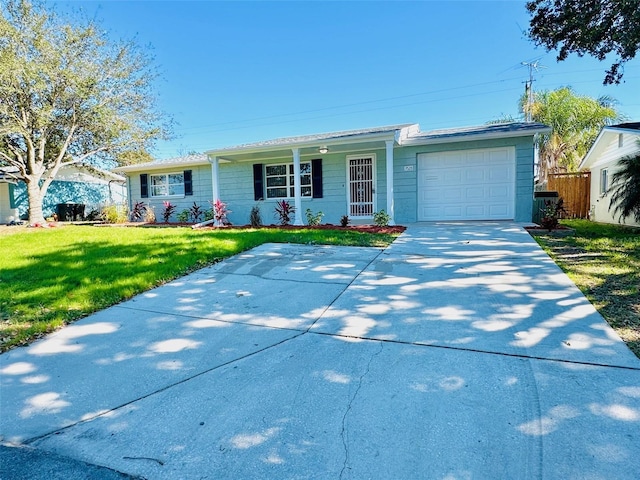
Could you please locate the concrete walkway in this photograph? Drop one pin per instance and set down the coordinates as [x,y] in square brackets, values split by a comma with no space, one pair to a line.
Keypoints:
[459,352]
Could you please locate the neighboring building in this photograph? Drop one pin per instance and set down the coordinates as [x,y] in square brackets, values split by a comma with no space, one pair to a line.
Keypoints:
[612,143]
[8,207]
[471,173]
[78,184]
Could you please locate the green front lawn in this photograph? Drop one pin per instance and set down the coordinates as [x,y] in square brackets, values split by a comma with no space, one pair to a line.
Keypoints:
[50,277]
[604,262]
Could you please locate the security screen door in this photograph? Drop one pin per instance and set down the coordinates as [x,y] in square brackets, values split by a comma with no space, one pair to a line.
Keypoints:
[361,186]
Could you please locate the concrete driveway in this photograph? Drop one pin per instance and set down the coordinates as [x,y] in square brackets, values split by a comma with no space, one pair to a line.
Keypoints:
[459,352]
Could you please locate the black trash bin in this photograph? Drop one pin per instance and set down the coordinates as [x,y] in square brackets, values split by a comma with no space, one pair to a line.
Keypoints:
[70,212]
[538,203]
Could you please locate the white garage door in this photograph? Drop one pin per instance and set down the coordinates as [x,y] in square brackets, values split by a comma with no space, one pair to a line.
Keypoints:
[467,185]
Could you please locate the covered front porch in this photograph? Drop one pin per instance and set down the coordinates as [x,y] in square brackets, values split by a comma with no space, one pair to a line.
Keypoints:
[346,172]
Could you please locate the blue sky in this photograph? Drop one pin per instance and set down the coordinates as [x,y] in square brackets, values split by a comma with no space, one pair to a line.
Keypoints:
[237,72]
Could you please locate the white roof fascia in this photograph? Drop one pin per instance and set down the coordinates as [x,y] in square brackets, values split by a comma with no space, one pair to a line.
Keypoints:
[139,167]
[453,138]
[596,146]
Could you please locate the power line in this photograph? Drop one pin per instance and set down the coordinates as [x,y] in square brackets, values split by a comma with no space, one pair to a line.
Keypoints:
[335,107]
[353,112]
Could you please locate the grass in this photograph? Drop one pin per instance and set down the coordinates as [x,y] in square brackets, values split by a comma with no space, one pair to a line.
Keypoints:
[51,277]
[604,262]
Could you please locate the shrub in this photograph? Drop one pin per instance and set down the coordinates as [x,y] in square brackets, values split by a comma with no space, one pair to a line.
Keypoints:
[150,214]
[195,212]
[114,214]
[381,218]
[344,220]
[138,211]
[183,216]
[314,219]
[284,211]
[552,213]
[220,212]
[169,208]
[255,218]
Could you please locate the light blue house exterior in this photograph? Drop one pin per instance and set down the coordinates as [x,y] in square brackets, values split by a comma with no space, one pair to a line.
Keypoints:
[471,173]
[78,184]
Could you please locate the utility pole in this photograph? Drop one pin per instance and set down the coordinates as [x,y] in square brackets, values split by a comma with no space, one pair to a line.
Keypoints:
[528,89]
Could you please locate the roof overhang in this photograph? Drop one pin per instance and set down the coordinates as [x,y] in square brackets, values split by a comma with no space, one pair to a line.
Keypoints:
[345,142]
[308,146]
[141,167]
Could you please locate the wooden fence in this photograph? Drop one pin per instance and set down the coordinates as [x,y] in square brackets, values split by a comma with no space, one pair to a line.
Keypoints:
[575,190]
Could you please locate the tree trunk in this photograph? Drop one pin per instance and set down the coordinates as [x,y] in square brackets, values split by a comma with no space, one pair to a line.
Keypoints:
[35,195]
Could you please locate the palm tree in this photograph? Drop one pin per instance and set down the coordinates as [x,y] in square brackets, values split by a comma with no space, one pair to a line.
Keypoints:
[575,122]
[625,185]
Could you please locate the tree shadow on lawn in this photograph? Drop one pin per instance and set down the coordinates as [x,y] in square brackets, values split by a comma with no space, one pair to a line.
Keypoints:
[83,277]
[613,286]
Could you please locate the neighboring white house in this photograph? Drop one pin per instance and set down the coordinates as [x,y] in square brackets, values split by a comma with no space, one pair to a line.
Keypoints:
[612,143]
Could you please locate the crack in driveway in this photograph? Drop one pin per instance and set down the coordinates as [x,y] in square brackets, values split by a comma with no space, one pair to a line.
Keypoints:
[344,434]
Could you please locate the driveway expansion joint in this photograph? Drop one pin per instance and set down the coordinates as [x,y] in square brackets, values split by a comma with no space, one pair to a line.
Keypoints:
[57,431]
[486,352]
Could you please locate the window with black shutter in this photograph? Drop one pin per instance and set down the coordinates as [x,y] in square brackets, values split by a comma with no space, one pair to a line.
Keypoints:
[144,185]
[258,182]
[188,183]
[316,177]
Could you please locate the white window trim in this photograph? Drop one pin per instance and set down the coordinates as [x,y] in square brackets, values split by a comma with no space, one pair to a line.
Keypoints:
[288,176]
[374,180]
[166,175]
[604,185]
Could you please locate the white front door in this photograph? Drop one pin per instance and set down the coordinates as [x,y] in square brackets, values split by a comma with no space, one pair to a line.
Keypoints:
[361,185]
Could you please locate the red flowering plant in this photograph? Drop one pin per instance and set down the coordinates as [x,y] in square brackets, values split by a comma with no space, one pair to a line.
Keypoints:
[220,212]
[169,208]
[284,211]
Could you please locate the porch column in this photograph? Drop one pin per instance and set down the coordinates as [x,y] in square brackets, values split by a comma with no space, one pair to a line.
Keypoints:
[297,190]
[390,194]
[215,190]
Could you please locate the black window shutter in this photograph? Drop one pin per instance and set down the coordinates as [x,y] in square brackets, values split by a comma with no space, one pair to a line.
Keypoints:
[258,182]
[188,183]
[144,185]
[316,177]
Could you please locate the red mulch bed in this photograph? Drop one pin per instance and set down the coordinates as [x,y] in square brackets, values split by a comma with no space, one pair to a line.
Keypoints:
[326,226]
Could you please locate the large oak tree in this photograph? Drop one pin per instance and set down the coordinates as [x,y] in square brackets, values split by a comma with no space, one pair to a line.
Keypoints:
[594,27]
[69,95]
